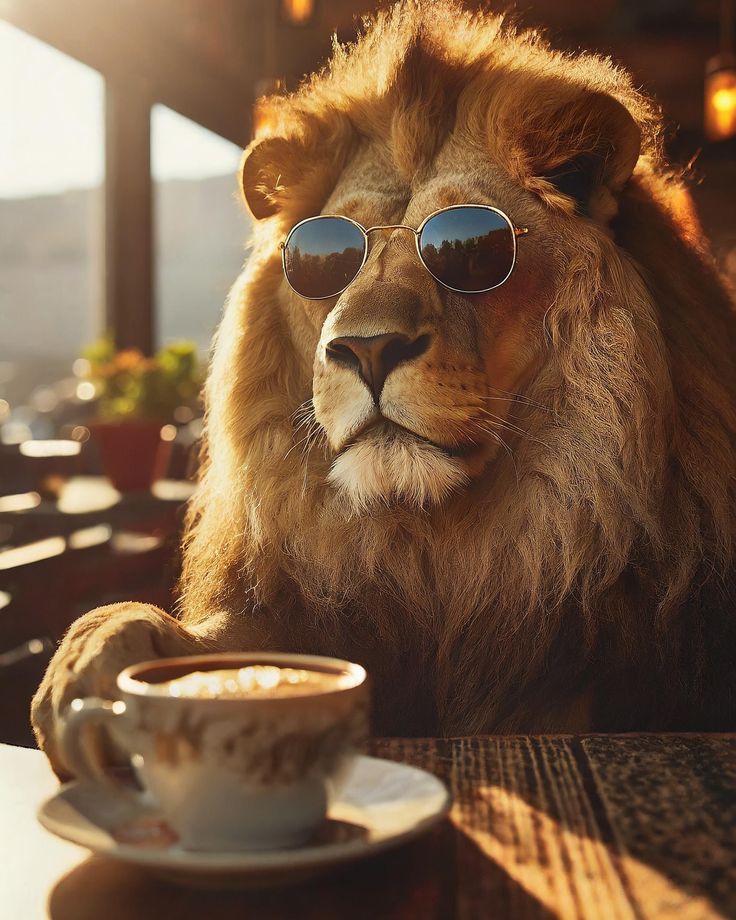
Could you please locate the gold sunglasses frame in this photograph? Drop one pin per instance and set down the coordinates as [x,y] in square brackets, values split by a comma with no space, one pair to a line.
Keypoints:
[516,232]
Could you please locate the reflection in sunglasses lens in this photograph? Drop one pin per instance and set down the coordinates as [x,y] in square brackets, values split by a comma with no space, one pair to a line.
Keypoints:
[469,249]
[323,255]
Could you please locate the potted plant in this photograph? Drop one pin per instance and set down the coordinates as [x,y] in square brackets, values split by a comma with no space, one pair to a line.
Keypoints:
[136,396]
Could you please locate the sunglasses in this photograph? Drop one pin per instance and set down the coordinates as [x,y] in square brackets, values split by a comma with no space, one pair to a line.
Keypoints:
[468,248]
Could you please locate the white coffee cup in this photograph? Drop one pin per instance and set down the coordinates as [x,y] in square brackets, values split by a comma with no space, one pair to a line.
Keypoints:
[229,773]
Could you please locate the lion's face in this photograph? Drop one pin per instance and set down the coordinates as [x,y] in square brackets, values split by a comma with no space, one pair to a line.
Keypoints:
[581,546]
[452,365]
[441,401]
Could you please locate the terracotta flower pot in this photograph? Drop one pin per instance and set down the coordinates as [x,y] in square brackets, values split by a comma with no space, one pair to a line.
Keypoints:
[133,453]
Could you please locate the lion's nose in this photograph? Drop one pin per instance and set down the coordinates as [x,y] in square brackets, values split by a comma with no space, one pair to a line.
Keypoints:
[375,356]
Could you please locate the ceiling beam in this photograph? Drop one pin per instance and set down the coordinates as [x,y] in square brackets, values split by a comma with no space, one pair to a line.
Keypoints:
[125,42]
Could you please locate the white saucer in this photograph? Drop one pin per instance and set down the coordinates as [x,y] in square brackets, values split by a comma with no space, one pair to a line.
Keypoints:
[382,804]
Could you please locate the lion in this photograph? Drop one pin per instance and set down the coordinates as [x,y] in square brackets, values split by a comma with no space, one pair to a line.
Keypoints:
[529,527]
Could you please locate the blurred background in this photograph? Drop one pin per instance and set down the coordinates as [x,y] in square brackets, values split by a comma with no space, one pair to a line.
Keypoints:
[121,129]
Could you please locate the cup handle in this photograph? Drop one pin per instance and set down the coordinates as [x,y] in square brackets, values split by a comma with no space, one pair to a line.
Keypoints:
[76,749]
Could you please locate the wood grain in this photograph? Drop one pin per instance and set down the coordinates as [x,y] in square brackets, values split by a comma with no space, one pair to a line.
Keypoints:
[594,827]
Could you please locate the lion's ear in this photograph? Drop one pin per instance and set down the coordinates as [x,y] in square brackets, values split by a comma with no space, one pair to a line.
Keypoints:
[587,154]
[264,172]
[293,175]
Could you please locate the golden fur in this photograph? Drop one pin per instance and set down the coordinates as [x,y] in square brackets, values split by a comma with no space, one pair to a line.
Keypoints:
[572,569]
[609,528]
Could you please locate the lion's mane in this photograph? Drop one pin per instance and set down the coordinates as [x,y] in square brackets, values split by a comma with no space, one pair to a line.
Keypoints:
[593,570]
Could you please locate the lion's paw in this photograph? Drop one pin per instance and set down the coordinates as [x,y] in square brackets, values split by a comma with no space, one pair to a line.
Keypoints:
[97,647]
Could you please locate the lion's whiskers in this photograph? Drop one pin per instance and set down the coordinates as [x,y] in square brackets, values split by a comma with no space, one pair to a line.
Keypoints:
[502,421]
[301,440]
[508,396]
[296,444]
[315,434]
[505,425]
[304,415]
[484,429]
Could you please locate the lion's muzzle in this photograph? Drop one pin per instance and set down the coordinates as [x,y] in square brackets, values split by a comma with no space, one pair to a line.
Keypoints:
[375,356]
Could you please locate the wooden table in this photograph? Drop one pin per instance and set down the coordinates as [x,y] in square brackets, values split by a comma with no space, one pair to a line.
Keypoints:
[631,826]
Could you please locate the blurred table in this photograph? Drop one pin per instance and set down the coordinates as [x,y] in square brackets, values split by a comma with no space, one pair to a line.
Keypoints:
[88,501]
[628,826]
[61,557]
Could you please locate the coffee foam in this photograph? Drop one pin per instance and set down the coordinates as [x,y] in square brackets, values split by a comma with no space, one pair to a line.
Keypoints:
[260,681]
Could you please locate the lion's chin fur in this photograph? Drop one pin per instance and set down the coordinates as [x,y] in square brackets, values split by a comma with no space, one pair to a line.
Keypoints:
[393,466]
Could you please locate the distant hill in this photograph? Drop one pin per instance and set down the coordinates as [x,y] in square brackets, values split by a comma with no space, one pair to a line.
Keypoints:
[51,284]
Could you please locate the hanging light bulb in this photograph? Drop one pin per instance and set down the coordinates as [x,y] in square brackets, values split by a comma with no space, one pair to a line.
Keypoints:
[720,82]
[298,12]
[720,97]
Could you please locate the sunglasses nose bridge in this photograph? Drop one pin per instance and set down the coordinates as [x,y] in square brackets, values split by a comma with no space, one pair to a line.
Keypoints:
[400,242]
[392,227]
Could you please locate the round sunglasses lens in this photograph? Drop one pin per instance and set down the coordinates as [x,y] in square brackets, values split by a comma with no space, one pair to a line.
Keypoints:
[468,249]
[323,255]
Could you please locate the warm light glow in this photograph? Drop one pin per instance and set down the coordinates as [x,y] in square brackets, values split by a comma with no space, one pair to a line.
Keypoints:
[173,490]
[23,501]
[168,433]
[724,100]
[521,826]
[127,543]
[81,367]
[720,104]
[85,390]
[267,678]
[86,494]
[50,448]
[256,680]
[90,536]
[298,11]
[31,552]
[263,120]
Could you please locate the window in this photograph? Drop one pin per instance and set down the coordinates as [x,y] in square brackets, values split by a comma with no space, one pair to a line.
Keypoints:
[200,226]
[51,249]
